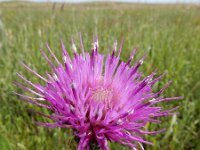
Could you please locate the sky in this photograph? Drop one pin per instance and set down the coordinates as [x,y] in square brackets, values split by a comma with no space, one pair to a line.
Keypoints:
[143,1]
[148,1]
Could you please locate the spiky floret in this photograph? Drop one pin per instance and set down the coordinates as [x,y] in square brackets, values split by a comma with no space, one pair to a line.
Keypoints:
[100,97]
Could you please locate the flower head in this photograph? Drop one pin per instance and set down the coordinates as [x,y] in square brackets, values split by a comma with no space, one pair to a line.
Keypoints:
[100,97]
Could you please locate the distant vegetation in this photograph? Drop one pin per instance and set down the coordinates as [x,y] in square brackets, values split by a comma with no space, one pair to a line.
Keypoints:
[170,34]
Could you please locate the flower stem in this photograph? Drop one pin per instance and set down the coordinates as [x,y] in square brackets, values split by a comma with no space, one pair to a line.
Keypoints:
[94,146]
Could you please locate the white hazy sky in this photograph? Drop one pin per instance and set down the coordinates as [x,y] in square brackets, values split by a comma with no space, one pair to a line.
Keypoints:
[143,1]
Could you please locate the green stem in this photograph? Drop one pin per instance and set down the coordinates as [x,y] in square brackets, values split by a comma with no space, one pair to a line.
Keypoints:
[94,146]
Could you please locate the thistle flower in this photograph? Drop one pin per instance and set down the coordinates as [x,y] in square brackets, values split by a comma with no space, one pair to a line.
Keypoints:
[100,97]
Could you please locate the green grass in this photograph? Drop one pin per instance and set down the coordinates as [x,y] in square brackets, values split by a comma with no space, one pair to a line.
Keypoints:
[169,33]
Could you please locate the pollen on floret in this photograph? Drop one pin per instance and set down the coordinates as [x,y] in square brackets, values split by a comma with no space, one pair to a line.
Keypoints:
[101,94]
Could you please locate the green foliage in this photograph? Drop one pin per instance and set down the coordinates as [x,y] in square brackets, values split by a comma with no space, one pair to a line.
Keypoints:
[169,33]
[4,143]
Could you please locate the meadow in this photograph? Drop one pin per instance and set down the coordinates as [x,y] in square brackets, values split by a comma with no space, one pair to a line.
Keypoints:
[169,34]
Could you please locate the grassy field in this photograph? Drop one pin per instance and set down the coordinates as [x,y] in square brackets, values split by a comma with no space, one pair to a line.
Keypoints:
[170,34]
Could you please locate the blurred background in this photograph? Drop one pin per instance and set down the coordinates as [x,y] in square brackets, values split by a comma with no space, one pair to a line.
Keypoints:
[168,30]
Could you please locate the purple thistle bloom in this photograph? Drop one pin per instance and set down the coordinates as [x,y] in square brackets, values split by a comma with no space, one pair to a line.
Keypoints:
[100,97]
